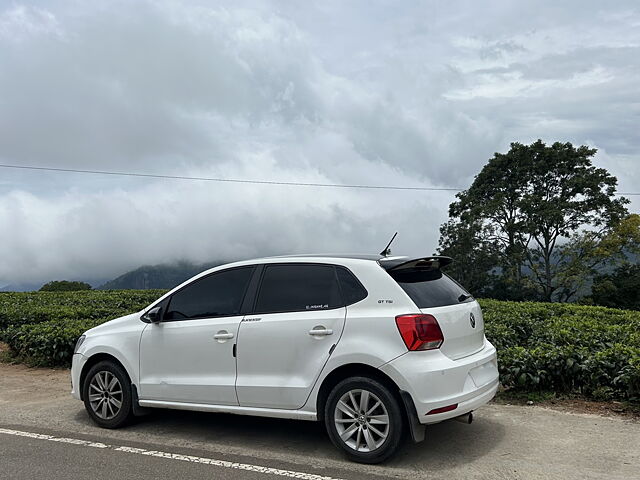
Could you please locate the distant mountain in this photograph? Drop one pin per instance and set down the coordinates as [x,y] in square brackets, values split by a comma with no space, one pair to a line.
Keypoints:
[21,287]
[163,276]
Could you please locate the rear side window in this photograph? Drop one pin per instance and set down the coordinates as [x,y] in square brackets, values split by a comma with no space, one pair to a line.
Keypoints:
[352,290]
[219,294]
[297,287]
[431,288]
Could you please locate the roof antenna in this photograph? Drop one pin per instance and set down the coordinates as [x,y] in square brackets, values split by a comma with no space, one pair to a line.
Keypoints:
[387,250]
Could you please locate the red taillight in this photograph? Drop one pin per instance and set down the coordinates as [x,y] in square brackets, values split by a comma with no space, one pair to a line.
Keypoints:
[448,408]
[420,332]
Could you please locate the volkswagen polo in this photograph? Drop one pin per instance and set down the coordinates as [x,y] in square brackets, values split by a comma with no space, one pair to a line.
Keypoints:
[375,347]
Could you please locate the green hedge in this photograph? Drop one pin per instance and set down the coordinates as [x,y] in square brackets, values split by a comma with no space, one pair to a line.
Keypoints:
[594,351]
[565,348]
[35,307]
[47,343]
[41,328]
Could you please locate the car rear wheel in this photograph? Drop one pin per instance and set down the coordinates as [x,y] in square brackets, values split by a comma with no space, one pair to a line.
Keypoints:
[107,395]
[364,419]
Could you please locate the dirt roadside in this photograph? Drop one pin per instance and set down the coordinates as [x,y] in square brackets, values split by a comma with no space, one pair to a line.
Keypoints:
[574,404]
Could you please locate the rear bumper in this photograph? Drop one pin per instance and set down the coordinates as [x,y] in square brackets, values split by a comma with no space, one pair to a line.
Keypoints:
[434,381]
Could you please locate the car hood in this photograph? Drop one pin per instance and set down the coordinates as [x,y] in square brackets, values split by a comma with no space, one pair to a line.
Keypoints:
[115,323]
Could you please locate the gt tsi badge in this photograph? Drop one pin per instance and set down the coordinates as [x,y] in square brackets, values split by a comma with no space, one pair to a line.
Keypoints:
[472,320]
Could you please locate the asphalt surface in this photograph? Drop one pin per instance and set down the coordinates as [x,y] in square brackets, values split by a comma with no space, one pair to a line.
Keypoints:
[44,433]
[62,460]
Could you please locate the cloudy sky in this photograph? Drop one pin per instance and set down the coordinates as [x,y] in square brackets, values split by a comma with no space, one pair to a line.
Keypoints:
[359,92]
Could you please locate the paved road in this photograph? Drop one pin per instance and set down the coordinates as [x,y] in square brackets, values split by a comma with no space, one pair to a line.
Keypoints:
[44,433]
[64,460]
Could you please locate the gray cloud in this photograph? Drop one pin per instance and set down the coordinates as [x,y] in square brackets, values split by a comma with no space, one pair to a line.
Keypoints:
[357,92]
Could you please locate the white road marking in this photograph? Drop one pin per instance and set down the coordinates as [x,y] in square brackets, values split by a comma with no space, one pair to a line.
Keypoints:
[170,456]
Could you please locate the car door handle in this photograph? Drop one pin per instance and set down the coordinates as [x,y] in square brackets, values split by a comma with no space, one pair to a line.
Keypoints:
[223,335]
[320,332]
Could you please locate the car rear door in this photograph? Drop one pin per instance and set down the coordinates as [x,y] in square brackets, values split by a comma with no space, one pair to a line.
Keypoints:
[283,346]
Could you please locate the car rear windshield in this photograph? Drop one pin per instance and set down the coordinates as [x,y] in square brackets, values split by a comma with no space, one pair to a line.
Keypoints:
[431,288]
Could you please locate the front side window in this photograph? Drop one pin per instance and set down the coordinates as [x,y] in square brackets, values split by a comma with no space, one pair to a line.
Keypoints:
[298,287]
[219,294]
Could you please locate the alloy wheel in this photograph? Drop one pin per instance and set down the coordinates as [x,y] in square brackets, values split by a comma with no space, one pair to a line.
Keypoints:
[361,420]
[105,395]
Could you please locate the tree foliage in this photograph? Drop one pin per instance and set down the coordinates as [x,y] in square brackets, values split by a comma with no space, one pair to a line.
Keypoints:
[528,203]
[475,255]
[586,253]
[64,286]
[620,288]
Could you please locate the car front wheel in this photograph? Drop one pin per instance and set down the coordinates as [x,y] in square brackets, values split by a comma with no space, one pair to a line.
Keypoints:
[363,419]
[107,395]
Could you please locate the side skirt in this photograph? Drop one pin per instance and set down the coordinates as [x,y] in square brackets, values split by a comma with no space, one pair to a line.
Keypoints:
[235,409]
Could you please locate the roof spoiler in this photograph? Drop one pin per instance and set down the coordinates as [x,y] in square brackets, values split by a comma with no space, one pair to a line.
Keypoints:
[424,264]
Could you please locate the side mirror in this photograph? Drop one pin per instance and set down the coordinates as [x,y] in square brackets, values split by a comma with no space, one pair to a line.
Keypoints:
[154,315]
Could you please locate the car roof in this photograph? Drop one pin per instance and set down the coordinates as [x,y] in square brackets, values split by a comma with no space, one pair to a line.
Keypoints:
[374,258]
[385,261]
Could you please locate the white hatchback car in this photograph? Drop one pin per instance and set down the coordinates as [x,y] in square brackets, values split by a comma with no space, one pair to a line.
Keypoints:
[372,346]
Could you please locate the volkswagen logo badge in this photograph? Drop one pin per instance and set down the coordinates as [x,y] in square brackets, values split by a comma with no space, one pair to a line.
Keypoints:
[472,320]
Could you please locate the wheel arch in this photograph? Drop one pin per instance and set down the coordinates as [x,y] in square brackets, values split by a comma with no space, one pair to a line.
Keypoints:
[354,370]
[93,360]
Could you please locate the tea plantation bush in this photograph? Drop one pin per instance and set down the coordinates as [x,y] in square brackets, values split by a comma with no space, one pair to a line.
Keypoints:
[594,351]
[48,343]
[36,307]
[42,327]
[566,348]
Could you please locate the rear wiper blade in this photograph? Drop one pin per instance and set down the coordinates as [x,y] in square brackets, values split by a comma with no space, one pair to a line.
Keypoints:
[464,297]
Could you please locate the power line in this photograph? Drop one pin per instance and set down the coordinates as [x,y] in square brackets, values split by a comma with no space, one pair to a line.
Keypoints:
[237,180]
[228,180]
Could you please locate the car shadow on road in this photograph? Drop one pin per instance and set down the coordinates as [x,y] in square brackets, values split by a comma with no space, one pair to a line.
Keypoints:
[447,444]
[450,444]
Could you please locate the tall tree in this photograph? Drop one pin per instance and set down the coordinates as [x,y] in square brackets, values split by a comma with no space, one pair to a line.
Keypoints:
[475,256]
[562,193]
[533,197]
[493,202]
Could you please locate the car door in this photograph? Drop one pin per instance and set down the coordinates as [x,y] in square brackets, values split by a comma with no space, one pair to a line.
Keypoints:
[189,355]
[283,346]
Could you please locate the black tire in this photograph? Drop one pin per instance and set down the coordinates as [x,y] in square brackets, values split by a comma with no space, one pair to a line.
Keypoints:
[394,429]
[109,370]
